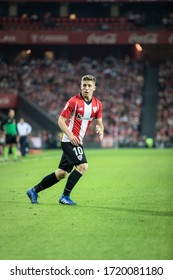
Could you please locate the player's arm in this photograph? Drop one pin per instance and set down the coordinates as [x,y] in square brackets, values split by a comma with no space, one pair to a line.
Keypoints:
[29,129]
[63,126]
[100,128]
[2,125]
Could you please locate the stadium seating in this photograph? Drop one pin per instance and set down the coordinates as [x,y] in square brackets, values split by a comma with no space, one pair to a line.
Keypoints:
[164,124]
[67,24]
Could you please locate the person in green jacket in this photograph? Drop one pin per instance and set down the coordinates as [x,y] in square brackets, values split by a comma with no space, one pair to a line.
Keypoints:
[11,134]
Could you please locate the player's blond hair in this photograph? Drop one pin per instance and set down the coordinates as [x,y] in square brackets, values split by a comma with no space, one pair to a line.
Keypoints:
[89,78]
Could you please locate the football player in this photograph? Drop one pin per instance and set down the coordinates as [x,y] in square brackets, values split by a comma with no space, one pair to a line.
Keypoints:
[74,122]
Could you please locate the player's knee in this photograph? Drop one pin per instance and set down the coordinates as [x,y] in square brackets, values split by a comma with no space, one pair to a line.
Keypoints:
[82,167]
[60,174]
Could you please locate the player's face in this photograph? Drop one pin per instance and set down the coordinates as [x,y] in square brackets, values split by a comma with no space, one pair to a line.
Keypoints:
[11,113]
[87,88]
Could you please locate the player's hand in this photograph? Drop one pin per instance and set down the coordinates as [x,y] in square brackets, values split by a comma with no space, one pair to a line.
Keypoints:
[74,140]
[99,131]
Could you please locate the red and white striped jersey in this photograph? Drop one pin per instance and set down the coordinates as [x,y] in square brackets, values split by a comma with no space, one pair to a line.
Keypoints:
[80,114]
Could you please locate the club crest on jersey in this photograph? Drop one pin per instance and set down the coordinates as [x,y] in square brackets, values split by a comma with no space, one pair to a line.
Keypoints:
[79,157]
[95,109]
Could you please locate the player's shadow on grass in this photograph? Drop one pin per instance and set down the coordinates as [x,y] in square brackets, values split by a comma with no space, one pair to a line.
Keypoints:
[117,209]
[137,211]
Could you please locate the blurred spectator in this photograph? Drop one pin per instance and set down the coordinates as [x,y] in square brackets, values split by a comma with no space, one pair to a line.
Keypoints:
[48,20]
[167,21]
[138,19]
[104,26]
[2,140]
[34,17]
[24,129]
[9,127]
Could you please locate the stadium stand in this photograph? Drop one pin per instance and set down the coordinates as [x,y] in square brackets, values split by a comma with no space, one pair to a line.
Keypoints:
[122,79]
[164,123]
[67,24]
[50,83]
[95,16]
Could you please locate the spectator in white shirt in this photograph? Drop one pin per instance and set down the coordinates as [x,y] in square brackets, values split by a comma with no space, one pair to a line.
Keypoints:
[24,129]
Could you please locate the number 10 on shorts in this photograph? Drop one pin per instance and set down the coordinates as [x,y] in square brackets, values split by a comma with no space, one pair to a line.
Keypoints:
[78,152]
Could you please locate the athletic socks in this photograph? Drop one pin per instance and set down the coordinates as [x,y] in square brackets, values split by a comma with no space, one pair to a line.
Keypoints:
[51,180]
[6,152]
[46,182]
[14,152]
[71,182]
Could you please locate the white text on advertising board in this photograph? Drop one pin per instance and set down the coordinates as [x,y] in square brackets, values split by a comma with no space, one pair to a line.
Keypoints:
[107,38]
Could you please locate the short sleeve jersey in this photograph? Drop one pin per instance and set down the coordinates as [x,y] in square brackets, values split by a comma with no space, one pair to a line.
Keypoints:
[10,126]
[80,114]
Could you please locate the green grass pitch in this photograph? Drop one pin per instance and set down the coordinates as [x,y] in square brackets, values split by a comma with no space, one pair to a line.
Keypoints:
[124,211]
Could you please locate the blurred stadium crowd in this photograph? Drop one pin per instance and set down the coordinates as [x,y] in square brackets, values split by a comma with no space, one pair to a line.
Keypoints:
[49,83]
[164,124]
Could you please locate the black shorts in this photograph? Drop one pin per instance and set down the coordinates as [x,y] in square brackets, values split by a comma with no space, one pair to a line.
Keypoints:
[72,156]
[10,139]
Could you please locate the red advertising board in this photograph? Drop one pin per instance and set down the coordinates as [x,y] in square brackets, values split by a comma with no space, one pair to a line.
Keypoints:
[8,100]
[85,38]
[13,37]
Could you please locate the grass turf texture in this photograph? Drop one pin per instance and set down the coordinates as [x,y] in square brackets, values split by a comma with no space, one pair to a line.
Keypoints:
[124,209]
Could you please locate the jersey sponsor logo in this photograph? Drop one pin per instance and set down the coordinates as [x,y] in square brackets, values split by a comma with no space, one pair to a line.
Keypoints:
[81,118]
